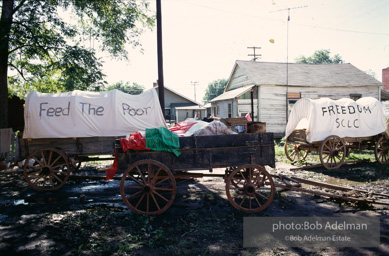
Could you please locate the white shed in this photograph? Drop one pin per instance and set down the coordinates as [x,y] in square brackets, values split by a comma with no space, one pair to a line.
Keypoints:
[183,113]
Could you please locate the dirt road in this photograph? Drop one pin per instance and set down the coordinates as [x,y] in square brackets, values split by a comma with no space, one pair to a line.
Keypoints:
[88,217]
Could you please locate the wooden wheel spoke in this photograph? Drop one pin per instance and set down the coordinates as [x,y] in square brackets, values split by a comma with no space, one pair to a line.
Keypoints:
[50,155]
[140,200]
[51,182]
[237,188]
[161,196]
[240,171]
[36,160]
[57,166]
[256,199]
[156,175]
[155,202]
[134,195]
[147,202]
[38,178]
[244,199]
[43,157]
[56,160]
[328,148]
[141,175]
[34,173]
[135,187]
[56,177]
[161,181]
[44,180]
[259,194]
[136,180]
[163,189]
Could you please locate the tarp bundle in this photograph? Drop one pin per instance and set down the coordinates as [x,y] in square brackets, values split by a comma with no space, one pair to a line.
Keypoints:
[344,118]
[90,114]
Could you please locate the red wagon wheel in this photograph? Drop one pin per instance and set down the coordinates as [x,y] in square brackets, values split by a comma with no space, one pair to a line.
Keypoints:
[332,152]
[381,151]
[148,187]
[294,153]
[250,188]
[46,169]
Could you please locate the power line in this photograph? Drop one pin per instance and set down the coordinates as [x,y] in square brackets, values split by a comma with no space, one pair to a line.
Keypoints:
[277,20]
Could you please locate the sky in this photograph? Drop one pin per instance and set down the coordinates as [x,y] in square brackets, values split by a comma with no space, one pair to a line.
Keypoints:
[202,39]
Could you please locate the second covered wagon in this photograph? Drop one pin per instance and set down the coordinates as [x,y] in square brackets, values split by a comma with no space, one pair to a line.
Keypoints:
[332,127]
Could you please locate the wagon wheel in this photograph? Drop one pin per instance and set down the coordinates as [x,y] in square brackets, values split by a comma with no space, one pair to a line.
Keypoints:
[46,169]
[148,187]
[250,188]
[332,152]
[381,151]
[294,153]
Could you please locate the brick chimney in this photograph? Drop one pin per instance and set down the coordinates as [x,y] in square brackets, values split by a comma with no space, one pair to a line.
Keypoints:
[385,78]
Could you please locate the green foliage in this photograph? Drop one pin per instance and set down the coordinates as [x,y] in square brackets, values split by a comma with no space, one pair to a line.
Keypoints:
[320,56]
[48,52]
[214,89]
[133,89]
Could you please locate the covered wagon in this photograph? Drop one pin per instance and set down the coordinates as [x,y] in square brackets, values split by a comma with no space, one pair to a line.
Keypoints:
[333,127]
[63,129]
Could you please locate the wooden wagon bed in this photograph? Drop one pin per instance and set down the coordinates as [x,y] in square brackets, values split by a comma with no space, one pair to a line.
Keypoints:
[148,185]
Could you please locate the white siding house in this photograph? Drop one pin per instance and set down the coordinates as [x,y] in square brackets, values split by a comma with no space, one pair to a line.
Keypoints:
[276,86]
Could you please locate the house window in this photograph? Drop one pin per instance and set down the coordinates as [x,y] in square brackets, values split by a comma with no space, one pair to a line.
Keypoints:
[216,111]
[293,97]
[355,96]
[229,110]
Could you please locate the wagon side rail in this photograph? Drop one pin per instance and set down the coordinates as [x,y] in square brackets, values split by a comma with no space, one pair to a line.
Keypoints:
[207,152]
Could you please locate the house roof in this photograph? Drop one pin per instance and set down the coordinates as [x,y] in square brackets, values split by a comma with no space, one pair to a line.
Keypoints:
[191,107]
[182,96]
[299,74]
[232,94]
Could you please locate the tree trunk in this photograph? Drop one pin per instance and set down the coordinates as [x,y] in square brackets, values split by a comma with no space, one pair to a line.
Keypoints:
[5,28]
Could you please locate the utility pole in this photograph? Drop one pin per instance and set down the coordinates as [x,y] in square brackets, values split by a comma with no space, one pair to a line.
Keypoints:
[194,83]
[161,87]
[287,58]
[256,56]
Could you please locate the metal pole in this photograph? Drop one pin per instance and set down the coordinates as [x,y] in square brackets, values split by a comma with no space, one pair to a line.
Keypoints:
[160,59]
[287,68]
[252,104]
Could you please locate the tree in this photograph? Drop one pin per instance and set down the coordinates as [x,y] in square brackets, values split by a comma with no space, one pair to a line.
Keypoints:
[133,89]
[214,89]
[48,52]
[320,56]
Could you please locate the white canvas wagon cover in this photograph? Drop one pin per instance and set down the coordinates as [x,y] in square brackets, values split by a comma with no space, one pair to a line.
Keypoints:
[90,114]
[344,118]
